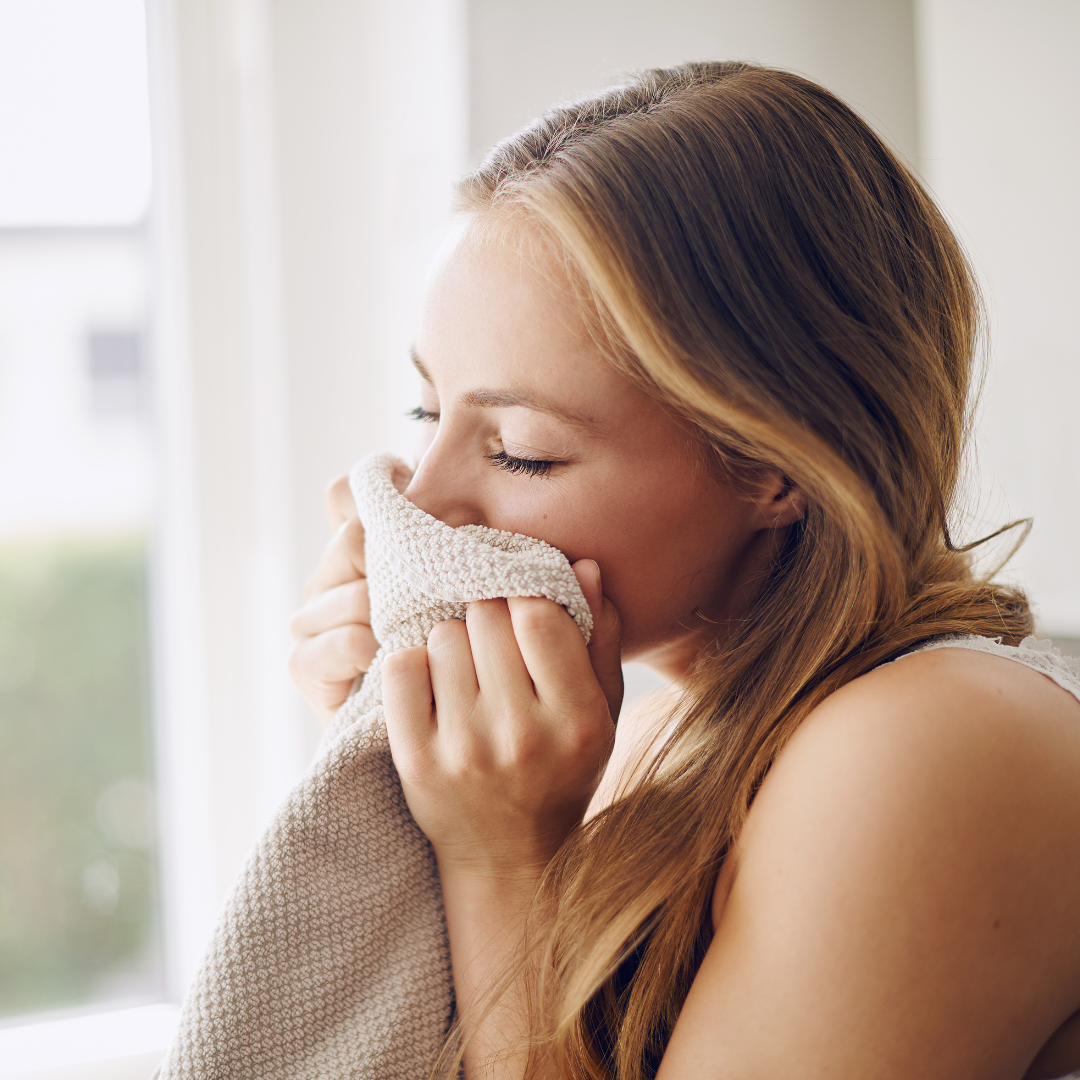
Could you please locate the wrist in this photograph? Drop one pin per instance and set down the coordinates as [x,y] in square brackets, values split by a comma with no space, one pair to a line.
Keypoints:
[482,876]
[504,861]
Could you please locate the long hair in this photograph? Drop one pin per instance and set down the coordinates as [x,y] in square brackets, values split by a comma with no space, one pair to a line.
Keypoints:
[758,260]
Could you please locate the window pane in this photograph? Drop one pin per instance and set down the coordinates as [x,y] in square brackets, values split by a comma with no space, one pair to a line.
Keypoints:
[77,838]
[78,849]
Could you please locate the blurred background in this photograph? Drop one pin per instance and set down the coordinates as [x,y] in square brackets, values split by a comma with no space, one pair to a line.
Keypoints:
[215,218]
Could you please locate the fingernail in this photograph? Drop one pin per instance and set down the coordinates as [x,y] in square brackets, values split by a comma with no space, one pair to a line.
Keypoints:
[595,574]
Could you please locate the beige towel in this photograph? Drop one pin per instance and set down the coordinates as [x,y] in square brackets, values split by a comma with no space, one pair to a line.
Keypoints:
[330,959]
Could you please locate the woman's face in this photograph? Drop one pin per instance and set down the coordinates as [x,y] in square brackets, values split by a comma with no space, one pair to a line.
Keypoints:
[533,431]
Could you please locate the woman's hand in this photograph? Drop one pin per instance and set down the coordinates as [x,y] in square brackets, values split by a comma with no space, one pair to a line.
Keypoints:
[333,642]
[501,726]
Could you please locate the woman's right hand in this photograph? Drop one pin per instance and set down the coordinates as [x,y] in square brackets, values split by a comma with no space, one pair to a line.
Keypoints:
[332,638]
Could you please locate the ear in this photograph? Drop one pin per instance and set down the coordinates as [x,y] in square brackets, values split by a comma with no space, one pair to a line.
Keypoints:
[777,500]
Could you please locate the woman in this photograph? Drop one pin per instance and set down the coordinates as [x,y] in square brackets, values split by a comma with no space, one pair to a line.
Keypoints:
[709,337]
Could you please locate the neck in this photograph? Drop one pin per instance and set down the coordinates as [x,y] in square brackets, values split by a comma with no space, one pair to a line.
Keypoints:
[674,658]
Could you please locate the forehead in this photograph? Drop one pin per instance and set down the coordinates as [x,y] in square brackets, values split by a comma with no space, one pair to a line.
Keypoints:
[499,310]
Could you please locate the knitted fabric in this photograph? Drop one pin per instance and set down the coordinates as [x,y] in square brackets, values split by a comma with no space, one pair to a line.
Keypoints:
[330,959]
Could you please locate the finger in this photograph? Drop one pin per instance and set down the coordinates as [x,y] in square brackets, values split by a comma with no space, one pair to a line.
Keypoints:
[409,710]
[453,676]
[340,504]
[342,605]
[342,561]
[605,643]
[325,671]
[334,657]
[553,650]
[500,670]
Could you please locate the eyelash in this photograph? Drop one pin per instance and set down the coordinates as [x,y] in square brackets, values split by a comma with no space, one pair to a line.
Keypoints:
[525,466]
[517,465]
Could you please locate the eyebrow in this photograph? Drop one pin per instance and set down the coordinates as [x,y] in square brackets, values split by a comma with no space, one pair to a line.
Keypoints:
[506,399]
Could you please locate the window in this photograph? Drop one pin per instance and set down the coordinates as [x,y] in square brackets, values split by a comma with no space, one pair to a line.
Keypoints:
[116,373]
[80,920]
[162,457]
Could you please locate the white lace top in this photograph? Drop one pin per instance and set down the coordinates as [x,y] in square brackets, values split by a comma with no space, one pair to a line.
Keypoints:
[1032,653]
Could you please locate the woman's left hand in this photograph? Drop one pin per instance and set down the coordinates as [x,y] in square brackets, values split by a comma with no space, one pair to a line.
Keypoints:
[501,725]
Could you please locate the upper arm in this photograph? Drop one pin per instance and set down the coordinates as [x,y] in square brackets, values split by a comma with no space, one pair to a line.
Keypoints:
[906,886]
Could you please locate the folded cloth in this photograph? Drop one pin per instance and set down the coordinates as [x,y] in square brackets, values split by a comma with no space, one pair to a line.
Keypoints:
[330,959]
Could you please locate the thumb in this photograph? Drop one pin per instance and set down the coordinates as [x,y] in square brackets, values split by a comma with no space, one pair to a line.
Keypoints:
[605,645]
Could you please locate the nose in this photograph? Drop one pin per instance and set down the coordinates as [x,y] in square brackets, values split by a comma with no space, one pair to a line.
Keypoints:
[446,490]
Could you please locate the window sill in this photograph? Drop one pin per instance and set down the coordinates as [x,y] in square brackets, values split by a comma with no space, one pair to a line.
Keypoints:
[125,1044]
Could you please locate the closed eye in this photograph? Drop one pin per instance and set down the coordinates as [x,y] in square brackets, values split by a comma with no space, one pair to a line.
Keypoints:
[421,414]
[522,466]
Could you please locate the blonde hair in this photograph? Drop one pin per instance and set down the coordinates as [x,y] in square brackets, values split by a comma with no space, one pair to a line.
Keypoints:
[758,260]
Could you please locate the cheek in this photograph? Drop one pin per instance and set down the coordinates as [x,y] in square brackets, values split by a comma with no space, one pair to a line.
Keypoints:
[664,544]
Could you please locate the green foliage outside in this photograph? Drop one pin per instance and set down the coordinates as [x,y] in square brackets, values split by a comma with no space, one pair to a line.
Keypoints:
[78,878]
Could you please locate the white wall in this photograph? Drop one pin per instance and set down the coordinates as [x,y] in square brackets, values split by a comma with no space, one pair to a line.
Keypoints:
[524,55]
[1001,150]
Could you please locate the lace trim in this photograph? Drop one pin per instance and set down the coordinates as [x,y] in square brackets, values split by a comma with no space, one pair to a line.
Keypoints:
[1031,652]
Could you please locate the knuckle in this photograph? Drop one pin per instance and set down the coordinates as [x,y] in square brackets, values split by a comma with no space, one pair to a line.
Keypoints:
[352,533]
[585,740]
[458,762]
[526,748]
[355,641]
[359,605]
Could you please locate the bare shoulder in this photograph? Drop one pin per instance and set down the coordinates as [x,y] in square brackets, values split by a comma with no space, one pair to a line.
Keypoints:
[964,681]
[965,752]
[905,896]
[972,724]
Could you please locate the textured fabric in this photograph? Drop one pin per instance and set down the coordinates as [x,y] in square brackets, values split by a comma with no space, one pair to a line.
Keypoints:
[330,959]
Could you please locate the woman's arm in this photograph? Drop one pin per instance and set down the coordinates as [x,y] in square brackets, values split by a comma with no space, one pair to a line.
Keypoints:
[906,896]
